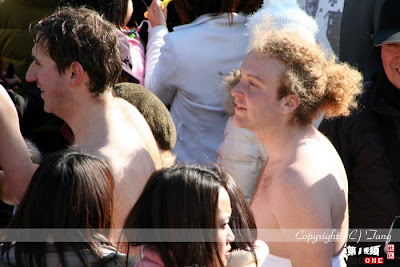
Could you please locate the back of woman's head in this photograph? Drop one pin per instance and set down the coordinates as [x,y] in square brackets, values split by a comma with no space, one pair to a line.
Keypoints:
[68,190]
[189,10]
[113,10]
[182,197]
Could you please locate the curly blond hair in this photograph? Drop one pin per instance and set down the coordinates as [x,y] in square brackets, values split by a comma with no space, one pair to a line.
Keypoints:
[322,85]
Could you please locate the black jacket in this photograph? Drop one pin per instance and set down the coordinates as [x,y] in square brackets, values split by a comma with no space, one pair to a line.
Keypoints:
[359,23]
[363,141]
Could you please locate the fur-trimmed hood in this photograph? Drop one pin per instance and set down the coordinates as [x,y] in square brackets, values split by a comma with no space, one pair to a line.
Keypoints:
[229,81]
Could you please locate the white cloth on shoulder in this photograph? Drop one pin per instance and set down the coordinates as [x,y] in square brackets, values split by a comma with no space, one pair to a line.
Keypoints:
[242,258]
[272,261]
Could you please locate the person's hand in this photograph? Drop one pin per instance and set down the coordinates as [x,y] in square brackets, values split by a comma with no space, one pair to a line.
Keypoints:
[155,14]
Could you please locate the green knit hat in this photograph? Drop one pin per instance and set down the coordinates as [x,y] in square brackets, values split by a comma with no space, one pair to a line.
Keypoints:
[153,110]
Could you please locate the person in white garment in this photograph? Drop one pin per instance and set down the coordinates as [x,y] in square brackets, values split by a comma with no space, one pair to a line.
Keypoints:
[184,67]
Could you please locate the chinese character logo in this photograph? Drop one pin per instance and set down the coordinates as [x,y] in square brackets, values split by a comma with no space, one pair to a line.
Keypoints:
[390,251]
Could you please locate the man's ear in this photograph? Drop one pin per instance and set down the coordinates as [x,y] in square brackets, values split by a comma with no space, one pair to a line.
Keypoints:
[289,103]
[76,73]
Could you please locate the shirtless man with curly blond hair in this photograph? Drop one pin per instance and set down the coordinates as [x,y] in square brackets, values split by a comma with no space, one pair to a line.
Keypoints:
[285,84]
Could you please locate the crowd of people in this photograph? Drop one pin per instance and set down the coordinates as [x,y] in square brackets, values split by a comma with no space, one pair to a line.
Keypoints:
[200,146]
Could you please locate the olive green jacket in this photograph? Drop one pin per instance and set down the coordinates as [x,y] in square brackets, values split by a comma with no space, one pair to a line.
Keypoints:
[15,40]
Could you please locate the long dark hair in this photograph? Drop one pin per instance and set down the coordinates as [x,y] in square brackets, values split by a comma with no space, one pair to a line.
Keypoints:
[185,196]
[189,10]
[69,190]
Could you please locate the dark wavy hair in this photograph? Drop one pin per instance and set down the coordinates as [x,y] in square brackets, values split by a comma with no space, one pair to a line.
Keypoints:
[189,10]
[69,190]
[185,196]
[113,10]
[82,35]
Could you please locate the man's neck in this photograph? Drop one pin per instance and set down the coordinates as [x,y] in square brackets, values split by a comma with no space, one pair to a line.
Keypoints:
[88,121]
[281,141]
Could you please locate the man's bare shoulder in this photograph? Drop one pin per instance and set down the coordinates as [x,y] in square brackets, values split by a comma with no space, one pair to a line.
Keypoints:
[128,109]
[316,157]
[133,117]
[291,179]
[314,164]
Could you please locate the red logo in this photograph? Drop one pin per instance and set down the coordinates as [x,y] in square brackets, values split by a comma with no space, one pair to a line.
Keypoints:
[373,260]
[390,251]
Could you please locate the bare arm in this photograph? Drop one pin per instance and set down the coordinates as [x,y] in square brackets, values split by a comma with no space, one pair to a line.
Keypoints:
[301,204]
[14,156]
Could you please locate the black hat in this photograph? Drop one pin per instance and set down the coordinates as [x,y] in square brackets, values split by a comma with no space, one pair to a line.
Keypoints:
[389,23]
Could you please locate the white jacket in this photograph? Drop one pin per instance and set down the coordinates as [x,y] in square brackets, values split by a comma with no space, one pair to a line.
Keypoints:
[184,67]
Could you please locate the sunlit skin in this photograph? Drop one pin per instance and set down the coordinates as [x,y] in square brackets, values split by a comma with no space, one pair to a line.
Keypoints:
[224,232]
[52,84]
[391,62]
[256,101]
[157,13]
[296,189]
[103,125]
[106,126]
[129,12]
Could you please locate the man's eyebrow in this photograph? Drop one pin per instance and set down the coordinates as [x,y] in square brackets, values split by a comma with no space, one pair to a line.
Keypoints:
[249,75]
[254,77]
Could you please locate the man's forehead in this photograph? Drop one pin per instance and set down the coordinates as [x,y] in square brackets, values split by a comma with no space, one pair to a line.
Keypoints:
[256,64]
[38,50]
[35,48]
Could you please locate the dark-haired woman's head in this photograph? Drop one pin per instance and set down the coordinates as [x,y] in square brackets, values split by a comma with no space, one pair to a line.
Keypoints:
[69,190]
[187,197]
[189,10]
[116,11]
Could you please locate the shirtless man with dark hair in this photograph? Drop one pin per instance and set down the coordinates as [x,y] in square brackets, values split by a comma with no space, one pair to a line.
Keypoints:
[76,63]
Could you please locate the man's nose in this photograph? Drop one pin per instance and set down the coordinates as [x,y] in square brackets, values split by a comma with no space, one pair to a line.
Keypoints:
[30,75]
[237,91]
